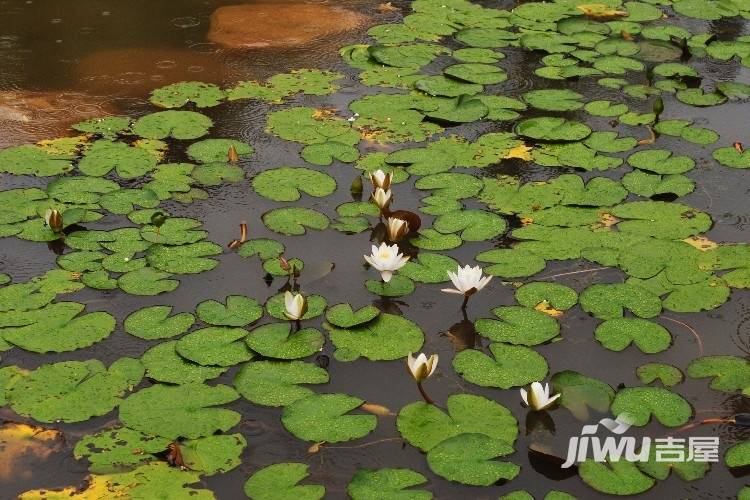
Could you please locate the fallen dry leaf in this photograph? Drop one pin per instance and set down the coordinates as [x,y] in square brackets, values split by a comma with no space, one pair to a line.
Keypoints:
[522,152]
[545,308]
[701,243]
[600,10]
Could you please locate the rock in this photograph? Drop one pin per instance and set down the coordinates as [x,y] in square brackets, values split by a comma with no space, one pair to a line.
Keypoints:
[279,24]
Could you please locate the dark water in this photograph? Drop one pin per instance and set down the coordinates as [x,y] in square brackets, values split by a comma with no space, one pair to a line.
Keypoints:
[88,48]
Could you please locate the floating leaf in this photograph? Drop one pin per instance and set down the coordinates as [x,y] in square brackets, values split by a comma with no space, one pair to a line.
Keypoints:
[164,365]
[728,373]
[326,418]
[146,281]
[614,477]
[176,95]
[151,323]
[617,334]
[293,220]
[285,183]
[386,337]
[73,391]
[512,366]
[279,481]
[425,426]
[238,311]
[276,340]
[185,259]
[579,393]
[129,162]
[115,450]
[176,124]
[475,225]
[187,410]
[556,295]
[220,346]
[661,161]
[552,129]
[485,74]
[373,484]
[343,316]
[429,268]
[518,325]
[276,383]
[467,459]
[511,263]
[397,287]
[730,157]
[608,300]
[639,403]
[668,375]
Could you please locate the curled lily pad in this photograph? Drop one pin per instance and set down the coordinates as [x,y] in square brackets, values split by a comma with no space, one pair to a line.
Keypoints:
[277,383]
[326,417]
[154,322]
[188,410]
[343,316]
[276,340]
[512,366]
[285,183]
[279,481]
[386,337]
[294,220]
[238,311]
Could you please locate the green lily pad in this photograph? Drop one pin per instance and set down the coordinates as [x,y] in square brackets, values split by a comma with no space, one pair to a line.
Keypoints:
[164,364]
[326,418]
[387,337]
[276,340]
[554,100]
[108,126]
[286,183]
[556,295]
[512,366]
[214,346]
[639,403]
[668,375]
[511,262]
[405,56]
[429,239]
[518,325]
[450,185]
[728,373]
[154,322]
[73,391]
[485,74]
[373,484]
[343,316]
[578,393]
[293,221]
[32,160]
[467,459]
[661,219]
[548,128]
[605,108]
[262,247]
[146,281]
[176,95]
[280,481]
[174,231]
[446,87]
[326,152]
[608,301]
[429,268]
[677,461]
[738,455]
[697,97]
[56,328]
[188,410]
[184,259]
[181,125]
[397,287]
[730,157]
[617,334]
[425,426]
[217,150]
[661,161]
[316,305]
[475,225]
[238,311]
[277,383]
[213,454]
[615,477]
[115,450]
[648,185]
[129,162]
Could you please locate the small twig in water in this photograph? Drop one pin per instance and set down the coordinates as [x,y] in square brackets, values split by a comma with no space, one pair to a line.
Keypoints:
[573,272]
[691,330]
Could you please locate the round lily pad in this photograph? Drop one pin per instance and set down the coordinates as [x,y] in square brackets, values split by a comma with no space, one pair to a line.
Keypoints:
[429,268]
[326,418]
[668,375]
[214,346]
[176,124]
[578,393]
[343,316]
[615,478]
[511,263]
[639,403]
[238,311]
[293,221]
[374,484]
[468,459]
[279,481]
[728,373]
[661,161]
[176,95]
[397,287]
[286,183]
[548,128]
[486,74]
[217,150]
[556,295]
[277,383]
[276,340]
[154,322]
[512,366]
[617,334]
[164,365]
[474,225]
[518,325]
[386,337]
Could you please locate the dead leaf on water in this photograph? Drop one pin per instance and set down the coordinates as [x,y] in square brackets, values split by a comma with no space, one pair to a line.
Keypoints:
[545,308]
[701,243]
[522,152]
[377,409]
[600,10]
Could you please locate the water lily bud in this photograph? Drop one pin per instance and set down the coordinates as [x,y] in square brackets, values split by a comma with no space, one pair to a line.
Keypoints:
[738,147]
[382,198]
[295,305]
[381,179]
[396,228]
[232,155]
[54,220]
[658,106]
[538,397]
[421,367]
[158,219]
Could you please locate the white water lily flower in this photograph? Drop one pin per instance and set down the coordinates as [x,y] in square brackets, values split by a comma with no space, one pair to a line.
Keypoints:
[295,305]
[538,397]
[382,198]
[396,228]
[381,180]
[386,259]
[422,367]
[467,280]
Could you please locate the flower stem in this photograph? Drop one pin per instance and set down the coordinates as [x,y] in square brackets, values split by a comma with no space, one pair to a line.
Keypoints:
[298,325]
[466,301]
[427,399]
